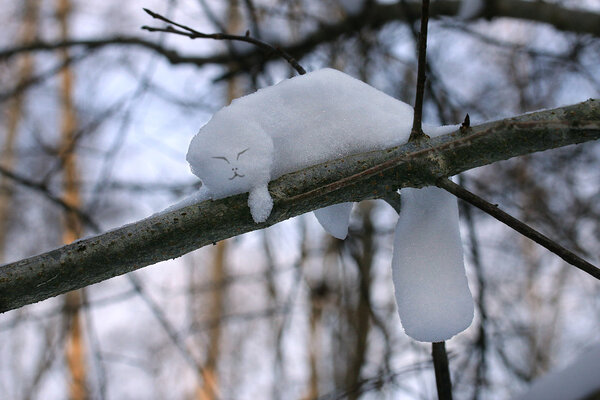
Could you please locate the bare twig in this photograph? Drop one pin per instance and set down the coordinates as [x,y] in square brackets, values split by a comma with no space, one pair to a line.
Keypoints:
[253,17]
[481,340]
[194,34]
[164,323]
[417,129]
[442,372]
[40,187]
[35,80]
[519,226]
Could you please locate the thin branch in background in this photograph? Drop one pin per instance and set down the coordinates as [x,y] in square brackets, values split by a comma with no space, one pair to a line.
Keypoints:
[253,18]
[283,323]
[234,54]
[211,16]
[417,129]
[521,227]
[481,340]
[35,80]
[120,137]
[47,358]
[164,323]
[81,132]
[194,34]
[42,188]
[93,340]
[58,310]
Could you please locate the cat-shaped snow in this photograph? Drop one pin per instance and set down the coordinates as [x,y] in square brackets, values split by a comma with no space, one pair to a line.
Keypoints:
[322,116]
[302,121]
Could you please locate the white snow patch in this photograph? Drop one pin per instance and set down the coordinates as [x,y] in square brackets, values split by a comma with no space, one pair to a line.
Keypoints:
[334,219]
[196,197]
[575,382]
[435,131]
[432,293]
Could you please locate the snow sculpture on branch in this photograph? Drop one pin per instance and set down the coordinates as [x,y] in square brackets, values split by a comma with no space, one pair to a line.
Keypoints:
[299,122]
[321,116]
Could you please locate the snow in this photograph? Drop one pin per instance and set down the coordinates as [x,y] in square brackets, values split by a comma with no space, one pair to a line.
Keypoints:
[435,131]
[575,382]
[196,197]
[325,115]
[302,121]
[334,219]
[432,293]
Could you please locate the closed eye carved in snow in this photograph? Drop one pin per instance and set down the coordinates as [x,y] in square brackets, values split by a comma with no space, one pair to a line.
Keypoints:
[237,158]
[223,158]
[242,152]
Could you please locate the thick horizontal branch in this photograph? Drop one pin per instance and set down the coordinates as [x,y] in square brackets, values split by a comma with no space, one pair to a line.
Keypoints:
[373,16]
[353,178]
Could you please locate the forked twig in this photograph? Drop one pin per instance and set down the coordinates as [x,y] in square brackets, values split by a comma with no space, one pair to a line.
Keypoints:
[194,34]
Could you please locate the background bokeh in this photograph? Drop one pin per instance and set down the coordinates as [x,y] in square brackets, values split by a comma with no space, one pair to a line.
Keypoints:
[95,119]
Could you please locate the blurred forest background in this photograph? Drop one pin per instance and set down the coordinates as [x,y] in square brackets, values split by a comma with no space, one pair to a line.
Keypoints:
[95,119]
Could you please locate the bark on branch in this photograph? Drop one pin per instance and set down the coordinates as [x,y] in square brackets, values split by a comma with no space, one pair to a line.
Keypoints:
[353,178]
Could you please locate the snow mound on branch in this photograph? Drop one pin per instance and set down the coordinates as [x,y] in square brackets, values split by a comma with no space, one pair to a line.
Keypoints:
[302,121]
[575,382]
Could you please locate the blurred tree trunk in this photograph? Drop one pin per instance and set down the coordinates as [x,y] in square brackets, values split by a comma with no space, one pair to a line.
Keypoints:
[75,346]
[317,295]
[544,304]
[30,9]
[210,380]
[359,317]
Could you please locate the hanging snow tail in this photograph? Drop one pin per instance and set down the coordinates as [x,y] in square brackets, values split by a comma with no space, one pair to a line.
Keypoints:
[432,293]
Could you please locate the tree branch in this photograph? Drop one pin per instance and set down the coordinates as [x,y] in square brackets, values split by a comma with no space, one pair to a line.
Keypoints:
[194,34]
[518,226]
[353,178]
[373,17]
[442,370]
[417,128]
